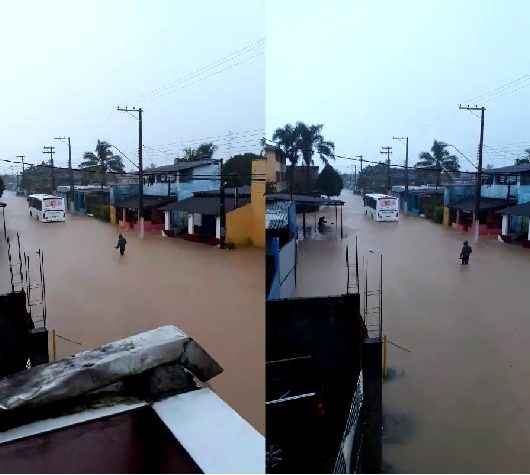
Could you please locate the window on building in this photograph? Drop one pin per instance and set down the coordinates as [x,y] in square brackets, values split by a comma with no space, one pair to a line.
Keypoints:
[500,179]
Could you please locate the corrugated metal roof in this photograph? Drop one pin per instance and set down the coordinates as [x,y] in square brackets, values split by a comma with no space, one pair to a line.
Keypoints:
[208,205]
[277,215]
[468,204]
[149,202]
[518,210]
[303,199]
[522,168]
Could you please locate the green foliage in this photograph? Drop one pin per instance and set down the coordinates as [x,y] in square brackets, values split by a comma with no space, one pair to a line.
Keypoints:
[102,212]
[204,151]
[440,159]
[520,161]
[304,141]
[241,167]
[438,214]
[286,139]
[329,181]
[103,161]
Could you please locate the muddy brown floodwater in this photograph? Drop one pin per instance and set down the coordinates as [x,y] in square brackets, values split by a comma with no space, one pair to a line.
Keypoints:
[459,400]
[94,296]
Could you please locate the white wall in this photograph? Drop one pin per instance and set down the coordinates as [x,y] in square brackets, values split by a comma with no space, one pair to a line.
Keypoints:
[286,270]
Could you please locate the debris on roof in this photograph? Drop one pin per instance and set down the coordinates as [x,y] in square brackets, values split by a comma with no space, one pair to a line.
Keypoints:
[160,361]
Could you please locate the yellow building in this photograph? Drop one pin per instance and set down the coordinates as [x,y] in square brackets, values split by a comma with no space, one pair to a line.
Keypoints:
[276,168]
[246,225]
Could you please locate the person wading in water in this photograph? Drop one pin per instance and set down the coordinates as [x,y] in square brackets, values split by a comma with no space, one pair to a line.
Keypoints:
[465,253]
[121,244]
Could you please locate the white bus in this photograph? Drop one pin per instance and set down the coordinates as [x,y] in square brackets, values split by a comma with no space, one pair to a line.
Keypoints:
[381,207]
[46,208]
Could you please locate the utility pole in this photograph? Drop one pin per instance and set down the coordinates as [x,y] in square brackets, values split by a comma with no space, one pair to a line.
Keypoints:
[355,178]
[387,150]
[478,185]
[22,160]
[360,157]
[222,208]
[405,207]
[140,168]
[51,150]
[70,171]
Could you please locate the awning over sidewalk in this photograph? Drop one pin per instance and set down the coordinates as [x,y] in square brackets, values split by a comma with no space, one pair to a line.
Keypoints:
[304,199]
[149,202]
[518,210]
[485,204]
[208,205]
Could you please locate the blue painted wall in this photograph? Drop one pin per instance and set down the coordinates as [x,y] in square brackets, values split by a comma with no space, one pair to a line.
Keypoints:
[122,192]
[187,185]
[456,193]
[520,192]
[497,191]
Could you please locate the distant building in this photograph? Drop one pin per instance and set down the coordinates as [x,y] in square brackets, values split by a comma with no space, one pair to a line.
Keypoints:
[182,179]
[421,200]
[304,178]
[511,184]
[198,217]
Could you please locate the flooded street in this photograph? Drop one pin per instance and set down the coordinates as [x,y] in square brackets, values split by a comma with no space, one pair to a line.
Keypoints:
[95,296]
[458,401]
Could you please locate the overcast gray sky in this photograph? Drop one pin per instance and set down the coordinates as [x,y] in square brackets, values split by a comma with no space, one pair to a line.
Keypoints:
[369,70]
[197,68]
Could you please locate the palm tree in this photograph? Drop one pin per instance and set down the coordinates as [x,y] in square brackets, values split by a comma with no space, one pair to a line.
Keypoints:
[310,141]
[103,161]
[286,139]
[439,159]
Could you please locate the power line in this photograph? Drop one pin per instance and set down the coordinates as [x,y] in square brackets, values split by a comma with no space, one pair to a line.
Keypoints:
[219,62]
[503,87]
[207,73]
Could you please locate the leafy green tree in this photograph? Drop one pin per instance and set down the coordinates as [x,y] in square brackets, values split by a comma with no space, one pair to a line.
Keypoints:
[204,151]
[240,169]
[103,161]
[329,181]
[520,161]
[439,159]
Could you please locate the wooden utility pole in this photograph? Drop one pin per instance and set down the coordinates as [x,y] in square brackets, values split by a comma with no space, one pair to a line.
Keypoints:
[360,157]
[387,150]
[70,172]
[405,207]
[222,208]
[50,150]
[478,185]
[139,110]
[22,180]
